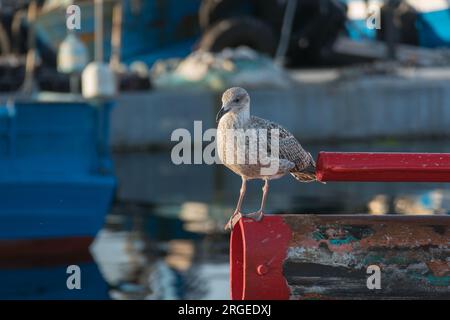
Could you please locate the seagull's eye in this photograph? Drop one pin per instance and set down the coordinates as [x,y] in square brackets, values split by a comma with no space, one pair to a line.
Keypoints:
[236,100]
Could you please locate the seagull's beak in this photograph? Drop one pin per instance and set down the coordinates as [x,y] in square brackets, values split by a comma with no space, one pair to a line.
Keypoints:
[221,112]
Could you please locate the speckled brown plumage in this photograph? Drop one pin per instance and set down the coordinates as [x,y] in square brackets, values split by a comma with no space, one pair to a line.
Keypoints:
[290,149]
[244,143]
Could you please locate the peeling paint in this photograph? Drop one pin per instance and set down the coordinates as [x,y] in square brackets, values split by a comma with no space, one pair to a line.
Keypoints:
[328,256]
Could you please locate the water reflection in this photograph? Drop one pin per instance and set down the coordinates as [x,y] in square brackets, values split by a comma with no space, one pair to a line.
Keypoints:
[177,248]
[28,274]
[158,259]
[205,195]
[424,203]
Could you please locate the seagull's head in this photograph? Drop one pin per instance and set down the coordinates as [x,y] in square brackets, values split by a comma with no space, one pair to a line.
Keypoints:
[235,100]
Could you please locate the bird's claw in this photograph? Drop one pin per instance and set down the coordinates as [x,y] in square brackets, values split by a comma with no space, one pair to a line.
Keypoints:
[257,216]
[232,221]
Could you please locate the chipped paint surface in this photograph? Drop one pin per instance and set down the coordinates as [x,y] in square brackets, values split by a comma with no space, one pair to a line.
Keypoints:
[328,256]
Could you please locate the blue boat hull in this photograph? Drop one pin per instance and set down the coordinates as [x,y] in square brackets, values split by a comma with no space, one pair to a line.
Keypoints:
[49,209]
[56,177]
[151,30]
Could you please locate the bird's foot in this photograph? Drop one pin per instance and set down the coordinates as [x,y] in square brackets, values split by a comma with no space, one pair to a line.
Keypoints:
[257,216]
[233,220]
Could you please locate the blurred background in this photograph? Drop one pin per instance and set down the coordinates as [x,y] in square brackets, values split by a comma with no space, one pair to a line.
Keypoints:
[90,93]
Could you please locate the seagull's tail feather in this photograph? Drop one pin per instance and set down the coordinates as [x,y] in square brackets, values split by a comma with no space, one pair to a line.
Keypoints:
[306,175]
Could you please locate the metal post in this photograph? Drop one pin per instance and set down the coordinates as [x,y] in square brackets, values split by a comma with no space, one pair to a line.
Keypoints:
[286,29]
[116,35]
[391,30]
[30,63]
[98,30]
[74,81]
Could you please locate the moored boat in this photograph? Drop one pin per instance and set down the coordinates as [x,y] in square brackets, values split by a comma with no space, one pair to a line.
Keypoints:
[56,177]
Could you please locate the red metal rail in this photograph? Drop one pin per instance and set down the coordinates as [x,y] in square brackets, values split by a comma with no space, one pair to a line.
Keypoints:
[383,167]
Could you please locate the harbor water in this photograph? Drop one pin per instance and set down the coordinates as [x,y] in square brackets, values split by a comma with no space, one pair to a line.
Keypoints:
[164,237]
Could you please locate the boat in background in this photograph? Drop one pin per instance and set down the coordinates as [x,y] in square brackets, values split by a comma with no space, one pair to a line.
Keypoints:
[151,29]
[427,23]
[56,174]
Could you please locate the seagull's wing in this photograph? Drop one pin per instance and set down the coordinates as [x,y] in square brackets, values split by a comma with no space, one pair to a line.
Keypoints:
[290,149]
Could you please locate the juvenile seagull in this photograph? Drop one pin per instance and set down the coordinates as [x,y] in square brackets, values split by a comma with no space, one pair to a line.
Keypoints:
[292,158]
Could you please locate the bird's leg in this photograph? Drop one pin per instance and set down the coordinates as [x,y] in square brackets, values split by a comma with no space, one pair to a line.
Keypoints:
[230,224]
[258,215]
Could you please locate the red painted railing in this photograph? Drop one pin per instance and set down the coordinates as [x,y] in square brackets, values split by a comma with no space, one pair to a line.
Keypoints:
[383,167]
